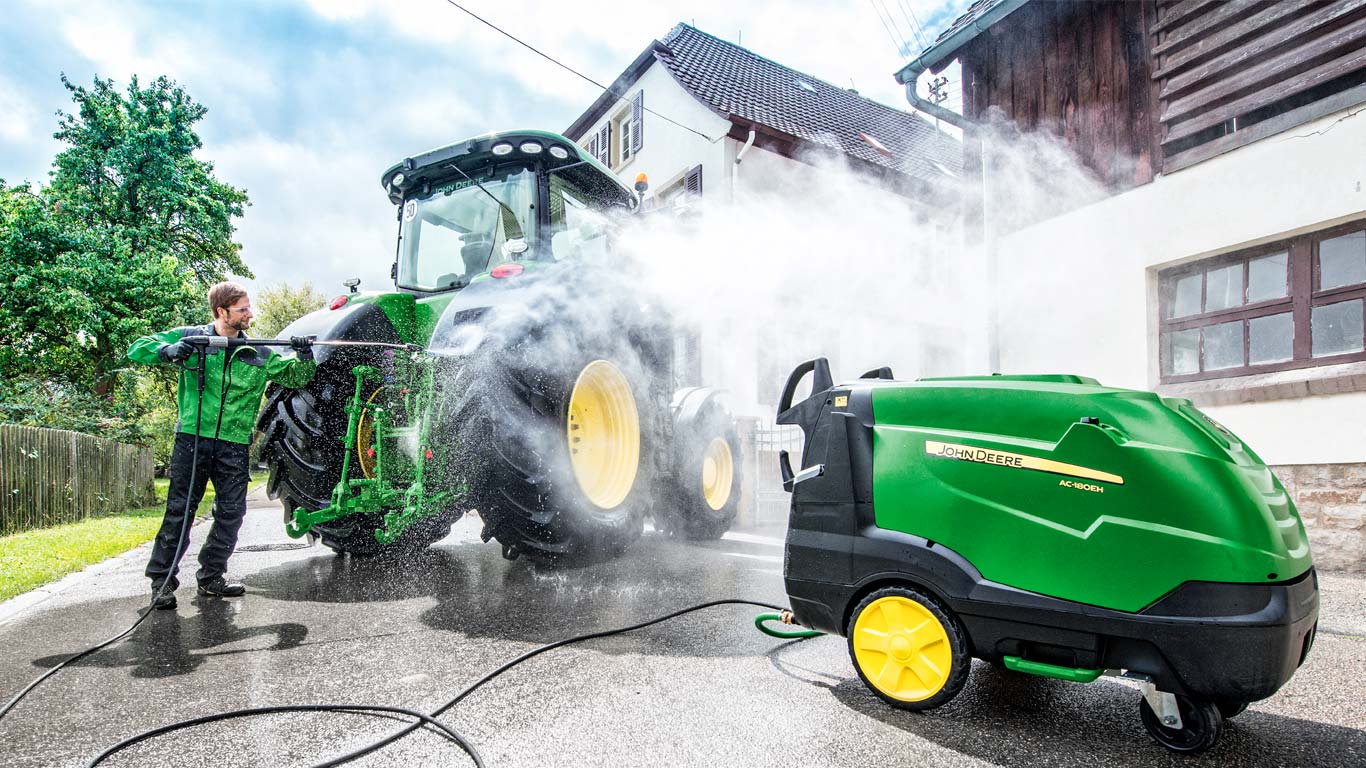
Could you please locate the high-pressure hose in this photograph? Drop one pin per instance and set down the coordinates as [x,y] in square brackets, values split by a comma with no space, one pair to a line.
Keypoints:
[183,539]
[429,719]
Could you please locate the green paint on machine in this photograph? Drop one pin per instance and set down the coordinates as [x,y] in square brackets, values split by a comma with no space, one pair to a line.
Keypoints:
[1115,511]
[1052,526]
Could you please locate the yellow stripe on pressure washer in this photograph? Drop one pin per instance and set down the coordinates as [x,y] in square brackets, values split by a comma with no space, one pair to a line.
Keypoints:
[1016,461]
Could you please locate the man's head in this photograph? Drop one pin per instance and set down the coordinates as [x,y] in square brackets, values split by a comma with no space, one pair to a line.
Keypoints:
[229,304]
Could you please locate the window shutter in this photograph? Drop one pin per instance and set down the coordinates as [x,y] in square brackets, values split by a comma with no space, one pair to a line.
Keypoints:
[593,146]
[638,117]
[693,181]
[604,154]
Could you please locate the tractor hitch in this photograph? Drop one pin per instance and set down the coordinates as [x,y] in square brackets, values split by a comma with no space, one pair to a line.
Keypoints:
[391,486]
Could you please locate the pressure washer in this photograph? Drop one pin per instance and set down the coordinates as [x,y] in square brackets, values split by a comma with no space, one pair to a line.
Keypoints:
[1049,525]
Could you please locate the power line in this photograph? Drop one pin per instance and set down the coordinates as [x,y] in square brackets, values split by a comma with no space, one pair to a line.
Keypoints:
[925,40]
[905,42]
[568,68]
[900,47]
[913,26]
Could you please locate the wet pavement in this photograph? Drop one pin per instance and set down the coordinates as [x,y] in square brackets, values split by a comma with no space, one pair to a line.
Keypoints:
[702,690]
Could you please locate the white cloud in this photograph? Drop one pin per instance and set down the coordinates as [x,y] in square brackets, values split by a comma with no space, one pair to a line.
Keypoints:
[317,210]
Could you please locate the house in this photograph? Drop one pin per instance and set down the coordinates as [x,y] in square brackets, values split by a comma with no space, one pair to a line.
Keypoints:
[704,117]
[1224,258]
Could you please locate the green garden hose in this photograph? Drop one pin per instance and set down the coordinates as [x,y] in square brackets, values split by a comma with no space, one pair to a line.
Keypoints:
[786,618]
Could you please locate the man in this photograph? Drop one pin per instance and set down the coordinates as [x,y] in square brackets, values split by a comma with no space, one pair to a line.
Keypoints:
[223,417]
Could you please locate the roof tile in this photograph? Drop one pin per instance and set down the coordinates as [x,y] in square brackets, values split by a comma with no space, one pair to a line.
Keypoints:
[734,80]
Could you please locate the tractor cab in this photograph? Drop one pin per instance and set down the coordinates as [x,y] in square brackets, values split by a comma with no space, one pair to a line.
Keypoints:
[526,197]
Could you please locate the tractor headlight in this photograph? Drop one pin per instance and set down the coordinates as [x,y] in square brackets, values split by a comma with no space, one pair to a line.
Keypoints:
[559,153]
[531,147]
[502,148]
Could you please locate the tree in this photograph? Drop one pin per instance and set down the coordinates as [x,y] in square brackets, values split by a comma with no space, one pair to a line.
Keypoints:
[279,305]
[130,172]
[122,241]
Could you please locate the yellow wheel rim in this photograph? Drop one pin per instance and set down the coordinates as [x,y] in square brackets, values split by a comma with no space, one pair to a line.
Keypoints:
[902,649]
[365,438]
[718,472]
[603,430]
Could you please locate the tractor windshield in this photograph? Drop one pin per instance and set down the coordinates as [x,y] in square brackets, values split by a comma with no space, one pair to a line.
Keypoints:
[459,230]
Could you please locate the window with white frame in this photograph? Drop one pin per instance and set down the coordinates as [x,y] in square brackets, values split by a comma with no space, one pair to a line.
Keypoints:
[1297,303]
[625,130]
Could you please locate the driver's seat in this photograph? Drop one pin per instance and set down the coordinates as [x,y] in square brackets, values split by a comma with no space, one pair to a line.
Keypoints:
[476,254]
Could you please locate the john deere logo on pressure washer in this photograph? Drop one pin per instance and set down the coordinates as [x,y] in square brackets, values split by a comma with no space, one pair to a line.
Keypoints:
[1020,461]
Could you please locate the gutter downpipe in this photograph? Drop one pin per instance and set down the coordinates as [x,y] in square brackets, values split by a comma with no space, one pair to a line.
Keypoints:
[735,172]
[910,76]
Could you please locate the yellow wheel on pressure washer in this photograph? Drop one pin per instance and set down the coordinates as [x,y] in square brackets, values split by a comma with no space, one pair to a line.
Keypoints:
[603,430]
[908,649]
[718,473]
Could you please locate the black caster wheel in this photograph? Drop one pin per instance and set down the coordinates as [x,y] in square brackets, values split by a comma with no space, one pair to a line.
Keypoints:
[1201,725]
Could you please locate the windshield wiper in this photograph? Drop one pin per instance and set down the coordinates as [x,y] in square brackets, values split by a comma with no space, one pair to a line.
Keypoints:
[512,229]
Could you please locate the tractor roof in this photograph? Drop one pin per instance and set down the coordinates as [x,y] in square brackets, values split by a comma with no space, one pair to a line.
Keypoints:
[468,154]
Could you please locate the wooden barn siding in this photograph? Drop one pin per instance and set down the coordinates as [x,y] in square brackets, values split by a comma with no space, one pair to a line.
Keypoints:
[51,476]
[1219,61]
[1079,70]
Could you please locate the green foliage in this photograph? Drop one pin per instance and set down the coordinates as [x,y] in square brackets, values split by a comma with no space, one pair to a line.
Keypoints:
[130,171]
[123,241]
[279,305]
[31,559]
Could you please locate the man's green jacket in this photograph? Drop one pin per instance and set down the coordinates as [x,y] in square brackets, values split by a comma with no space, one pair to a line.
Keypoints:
[232,393]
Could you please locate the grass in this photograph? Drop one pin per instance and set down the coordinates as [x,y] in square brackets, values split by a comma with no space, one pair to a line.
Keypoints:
[30,559]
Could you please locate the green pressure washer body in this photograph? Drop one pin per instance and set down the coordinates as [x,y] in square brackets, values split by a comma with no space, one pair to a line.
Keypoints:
[1049,525]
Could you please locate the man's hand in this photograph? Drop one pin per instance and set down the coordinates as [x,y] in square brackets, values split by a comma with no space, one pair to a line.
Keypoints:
[302,346]
[178,352]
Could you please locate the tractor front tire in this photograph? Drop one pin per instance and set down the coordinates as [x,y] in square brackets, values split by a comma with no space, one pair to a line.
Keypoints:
[557,456]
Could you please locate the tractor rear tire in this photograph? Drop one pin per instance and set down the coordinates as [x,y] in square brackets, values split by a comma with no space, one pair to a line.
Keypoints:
[705,489]
[542,490]
[302,430]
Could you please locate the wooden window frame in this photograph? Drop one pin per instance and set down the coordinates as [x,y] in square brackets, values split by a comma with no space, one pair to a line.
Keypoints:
[1303,295]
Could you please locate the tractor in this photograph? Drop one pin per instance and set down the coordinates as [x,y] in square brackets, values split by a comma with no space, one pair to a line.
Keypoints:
[518,370]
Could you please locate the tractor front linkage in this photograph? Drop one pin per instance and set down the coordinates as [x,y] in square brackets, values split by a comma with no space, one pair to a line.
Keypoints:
[394,484]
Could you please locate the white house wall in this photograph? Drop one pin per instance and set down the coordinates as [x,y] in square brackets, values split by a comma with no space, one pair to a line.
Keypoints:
[1079,289]
[668,150]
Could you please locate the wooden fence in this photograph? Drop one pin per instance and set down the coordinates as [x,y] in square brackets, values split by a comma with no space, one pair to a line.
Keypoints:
[52,476]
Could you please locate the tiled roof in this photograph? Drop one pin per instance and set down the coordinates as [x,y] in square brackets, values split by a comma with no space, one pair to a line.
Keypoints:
[974,12]
[736,81]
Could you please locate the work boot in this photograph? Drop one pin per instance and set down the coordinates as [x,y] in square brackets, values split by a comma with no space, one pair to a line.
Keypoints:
[164,601]
[221,587]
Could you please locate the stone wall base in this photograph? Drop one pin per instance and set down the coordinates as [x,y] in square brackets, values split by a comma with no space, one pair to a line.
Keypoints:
[1331,499]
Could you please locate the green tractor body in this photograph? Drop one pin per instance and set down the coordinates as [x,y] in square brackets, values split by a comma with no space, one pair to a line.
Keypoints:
[1057,527]
[543,394]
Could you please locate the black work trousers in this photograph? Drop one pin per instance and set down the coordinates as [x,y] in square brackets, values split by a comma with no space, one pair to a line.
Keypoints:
[226,464]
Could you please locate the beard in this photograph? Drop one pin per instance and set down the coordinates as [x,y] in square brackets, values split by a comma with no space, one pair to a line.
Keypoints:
[240,325]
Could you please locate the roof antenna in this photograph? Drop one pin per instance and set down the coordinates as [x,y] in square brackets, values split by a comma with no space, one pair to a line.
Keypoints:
[741,41]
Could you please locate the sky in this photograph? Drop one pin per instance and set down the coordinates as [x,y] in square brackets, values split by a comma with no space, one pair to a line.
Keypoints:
[309,101]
